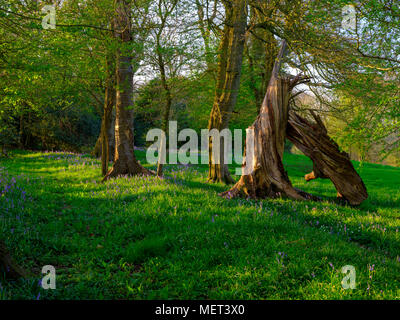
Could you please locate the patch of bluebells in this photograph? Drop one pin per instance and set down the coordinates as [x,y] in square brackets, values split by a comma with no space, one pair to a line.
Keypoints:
[74,161]
[13,197]
[371,271]
[281,257]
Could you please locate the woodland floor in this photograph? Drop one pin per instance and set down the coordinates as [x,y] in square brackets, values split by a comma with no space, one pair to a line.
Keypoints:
[146,238]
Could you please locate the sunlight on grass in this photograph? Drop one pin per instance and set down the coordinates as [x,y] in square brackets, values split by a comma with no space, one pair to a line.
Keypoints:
[146,238]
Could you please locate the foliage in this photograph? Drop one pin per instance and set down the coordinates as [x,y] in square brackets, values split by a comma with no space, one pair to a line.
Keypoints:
[355,73]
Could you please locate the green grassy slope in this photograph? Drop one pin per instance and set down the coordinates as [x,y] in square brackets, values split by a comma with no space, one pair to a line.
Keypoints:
[146,238]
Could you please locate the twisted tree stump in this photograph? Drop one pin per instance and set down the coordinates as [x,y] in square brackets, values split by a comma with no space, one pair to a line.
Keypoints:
[275,122]
[268,178]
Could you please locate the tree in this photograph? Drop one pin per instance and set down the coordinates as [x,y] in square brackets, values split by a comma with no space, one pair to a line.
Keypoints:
[125,161]
[60,65]
[228,81]
[164,10]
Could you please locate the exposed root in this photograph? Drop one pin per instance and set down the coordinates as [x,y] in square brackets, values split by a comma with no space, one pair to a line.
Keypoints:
[117,170]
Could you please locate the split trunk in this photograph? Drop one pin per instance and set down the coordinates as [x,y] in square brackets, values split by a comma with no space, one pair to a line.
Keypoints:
[329,162]
[266,176]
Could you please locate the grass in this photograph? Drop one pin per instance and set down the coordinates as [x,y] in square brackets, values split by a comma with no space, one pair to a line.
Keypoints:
[146,238]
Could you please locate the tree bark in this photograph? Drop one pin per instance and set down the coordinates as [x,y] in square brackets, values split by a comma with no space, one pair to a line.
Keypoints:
[125,162]
[110,123]
[267,177]
[107,132]
[329,162]
[7,265]
[168,104]
[228,81]
[107,121]
[163,75]
[21,131]
[96,152]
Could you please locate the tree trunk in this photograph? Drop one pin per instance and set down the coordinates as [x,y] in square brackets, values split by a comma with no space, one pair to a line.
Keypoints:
[228,81]
[110,123]
[107,144]
[329,162]
[167,90]
[267,177]
[21,131]
[167,112]
[107,138]
[125,162]
[97,147]
[7,265]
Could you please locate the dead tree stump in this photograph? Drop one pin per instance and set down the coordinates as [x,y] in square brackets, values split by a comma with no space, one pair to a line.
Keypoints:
[268,177]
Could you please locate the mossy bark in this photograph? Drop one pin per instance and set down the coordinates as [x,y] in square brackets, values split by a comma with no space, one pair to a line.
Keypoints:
[107,121]
[228,81]
[107,130]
